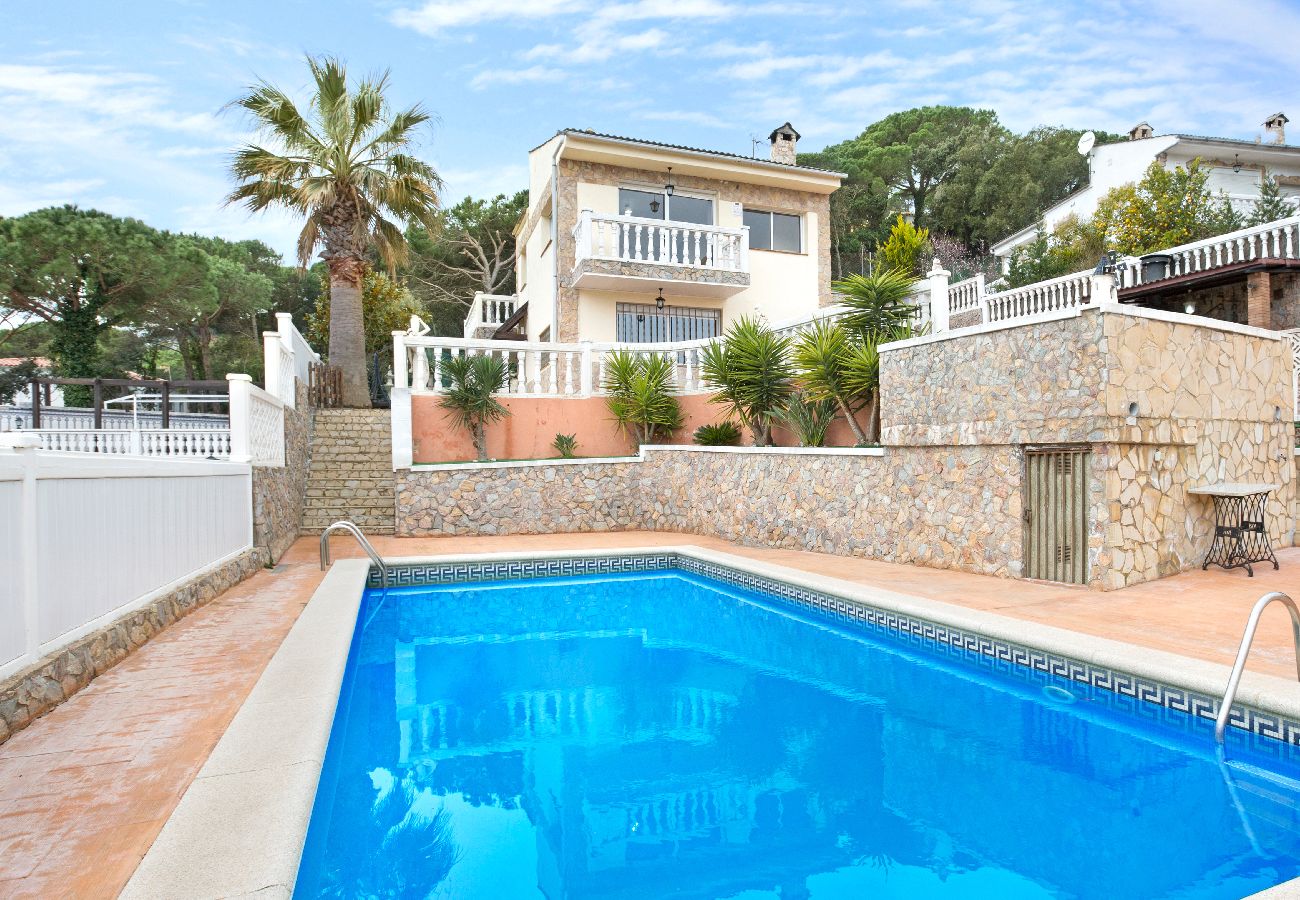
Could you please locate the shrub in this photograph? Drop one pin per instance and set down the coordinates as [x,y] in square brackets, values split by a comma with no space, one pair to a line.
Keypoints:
[566,445]
[472,382]
[808,418]
[640,394]
[718,434]
[905,248]
[1166,208]
[750,368]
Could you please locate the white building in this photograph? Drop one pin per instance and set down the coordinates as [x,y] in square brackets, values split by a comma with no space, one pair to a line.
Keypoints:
[635,240]
[1236,168]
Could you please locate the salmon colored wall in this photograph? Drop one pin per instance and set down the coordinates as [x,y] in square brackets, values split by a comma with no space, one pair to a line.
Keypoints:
[533,422]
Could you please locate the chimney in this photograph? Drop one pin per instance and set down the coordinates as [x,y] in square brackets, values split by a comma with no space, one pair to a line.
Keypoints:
[1276,126]
[784,141]
[1141,131]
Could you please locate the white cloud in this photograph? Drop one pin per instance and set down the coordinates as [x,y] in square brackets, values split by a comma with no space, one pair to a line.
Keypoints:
[529,75]
[438,16]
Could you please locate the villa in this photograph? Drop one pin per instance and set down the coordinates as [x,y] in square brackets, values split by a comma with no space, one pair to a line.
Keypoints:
[1236,169]
[999,654]
[637,241]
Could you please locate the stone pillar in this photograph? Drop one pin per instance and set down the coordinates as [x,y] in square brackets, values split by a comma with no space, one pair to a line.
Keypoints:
[1259,300]
[399,401]
[938,297]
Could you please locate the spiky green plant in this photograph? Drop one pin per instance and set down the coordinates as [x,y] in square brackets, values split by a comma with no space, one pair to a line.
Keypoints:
[809,419]
[718,434]
[876,303]
[343,164]
[821,356]
[639,389]
[472,382]
[566,445]
[750,369]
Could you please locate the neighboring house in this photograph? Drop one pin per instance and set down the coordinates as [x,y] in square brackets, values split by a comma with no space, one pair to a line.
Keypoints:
[1235,167]
[52,395]
[634,240]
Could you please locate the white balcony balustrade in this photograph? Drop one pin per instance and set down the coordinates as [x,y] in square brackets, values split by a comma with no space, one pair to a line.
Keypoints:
[489,312]
[719,256]
[536,369]
[1271,240]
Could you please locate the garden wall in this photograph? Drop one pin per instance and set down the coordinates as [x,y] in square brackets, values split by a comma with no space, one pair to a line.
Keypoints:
[279,492]
[533,422]
[947,508]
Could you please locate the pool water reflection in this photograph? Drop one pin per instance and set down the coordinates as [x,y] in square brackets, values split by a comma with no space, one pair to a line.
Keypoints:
[662,734]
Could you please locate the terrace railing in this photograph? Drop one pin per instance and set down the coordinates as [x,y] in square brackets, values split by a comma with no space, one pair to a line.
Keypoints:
[1039,299]
[536,369]
[489,311]
[189,443]
[637,240]
[1271,240]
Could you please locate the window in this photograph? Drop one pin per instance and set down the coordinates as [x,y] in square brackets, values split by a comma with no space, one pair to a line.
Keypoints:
[774,231]
[643,323]
[657,205]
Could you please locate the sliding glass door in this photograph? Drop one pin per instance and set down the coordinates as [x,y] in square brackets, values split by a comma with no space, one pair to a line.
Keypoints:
[658,205]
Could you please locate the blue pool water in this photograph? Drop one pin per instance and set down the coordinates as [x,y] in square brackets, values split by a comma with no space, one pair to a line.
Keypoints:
[665,735]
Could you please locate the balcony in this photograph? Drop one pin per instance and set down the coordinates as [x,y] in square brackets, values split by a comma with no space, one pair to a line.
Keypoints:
[628,253]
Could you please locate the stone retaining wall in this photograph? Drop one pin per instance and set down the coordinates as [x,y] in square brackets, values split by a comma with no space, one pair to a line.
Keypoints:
[280,492]
[943,507]
[37,689]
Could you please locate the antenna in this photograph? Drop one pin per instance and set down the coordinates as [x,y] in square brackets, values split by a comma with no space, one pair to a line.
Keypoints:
[754,141]
[1086,142]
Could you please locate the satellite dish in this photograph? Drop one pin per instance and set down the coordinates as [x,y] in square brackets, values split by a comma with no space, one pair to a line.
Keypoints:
[1086,140]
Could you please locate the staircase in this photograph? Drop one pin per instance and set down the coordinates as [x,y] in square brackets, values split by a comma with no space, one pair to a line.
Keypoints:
[351,475]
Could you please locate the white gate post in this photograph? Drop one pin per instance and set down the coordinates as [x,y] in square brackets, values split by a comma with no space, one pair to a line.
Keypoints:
[938,297]
[241,417]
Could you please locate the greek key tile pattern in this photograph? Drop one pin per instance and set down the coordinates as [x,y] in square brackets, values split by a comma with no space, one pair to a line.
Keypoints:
[1150,700]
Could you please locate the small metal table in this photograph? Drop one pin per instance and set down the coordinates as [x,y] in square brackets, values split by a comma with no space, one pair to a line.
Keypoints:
[1240,537]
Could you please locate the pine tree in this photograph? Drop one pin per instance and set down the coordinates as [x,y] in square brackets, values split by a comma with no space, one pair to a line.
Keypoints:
[1270,205]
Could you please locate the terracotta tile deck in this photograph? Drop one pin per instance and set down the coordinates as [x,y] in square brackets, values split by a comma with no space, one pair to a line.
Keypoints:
[85,790]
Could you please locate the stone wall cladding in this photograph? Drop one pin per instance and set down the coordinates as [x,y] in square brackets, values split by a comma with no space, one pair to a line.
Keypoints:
[516,500]
[942,507]
[571,172]
[279,493]
[42,686]
[695,274]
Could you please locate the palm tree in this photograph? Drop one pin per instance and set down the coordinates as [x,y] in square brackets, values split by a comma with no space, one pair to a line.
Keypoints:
[470,397]
[343,166]
[751,371]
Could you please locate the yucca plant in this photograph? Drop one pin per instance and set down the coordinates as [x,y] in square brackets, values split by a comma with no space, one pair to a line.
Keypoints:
[472,382]
[718,434]
[566,445]
[344,165]
[877,303]
[750,369]
[809,419]
[639,389]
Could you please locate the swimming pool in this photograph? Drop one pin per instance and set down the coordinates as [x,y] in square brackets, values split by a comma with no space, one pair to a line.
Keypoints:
[662,733]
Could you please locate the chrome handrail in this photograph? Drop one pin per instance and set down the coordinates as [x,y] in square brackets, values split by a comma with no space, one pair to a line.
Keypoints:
[352,529]
[1234,680]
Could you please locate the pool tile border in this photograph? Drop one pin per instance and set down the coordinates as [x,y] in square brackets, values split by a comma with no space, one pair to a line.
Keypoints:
[1132,693]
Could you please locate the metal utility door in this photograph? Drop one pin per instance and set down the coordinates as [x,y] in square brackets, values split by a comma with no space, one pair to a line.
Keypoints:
[1056,514]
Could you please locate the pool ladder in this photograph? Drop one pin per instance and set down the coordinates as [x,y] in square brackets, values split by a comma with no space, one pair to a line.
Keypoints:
[352,529]
[1234,680]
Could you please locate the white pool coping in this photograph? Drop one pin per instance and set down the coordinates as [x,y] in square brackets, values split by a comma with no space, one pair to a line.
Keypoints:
[238,831]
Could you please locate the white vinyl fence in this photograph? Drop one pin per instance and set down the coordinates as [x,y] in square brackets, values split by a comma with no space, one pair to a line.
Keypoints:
[84,539]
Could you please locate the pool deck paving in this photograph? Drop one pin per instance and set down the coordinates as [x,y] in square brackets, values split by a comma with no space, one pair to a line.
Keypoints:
[85,790]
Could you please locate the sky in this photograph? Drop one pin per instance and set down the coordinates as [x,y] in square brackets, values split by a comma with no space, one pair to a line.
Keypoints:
[122,105]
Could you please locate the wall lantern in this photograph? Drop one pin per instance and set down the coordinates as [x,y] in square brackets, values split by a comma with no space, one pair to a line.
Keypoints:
[654,206]
[1236,163]
[659,301]
[668,188]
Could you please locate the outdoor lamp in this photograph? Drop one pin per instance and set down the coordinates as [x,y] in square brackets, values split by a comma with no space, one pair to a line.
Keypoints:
[659,301]
[1236,163]
[668,188]
[654,206]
